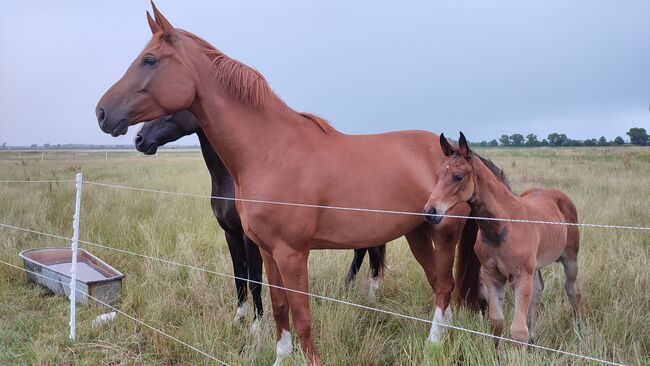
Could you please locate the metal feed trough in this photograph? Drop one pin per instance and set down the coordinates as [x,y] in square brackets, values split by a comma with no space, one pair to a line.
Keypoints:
[94,276]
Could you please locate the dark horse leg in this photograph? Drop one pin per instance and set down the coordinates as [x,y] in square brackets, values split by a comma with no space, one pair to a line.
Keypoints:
[254,262]
[357,261]
[238,256]
[377,263]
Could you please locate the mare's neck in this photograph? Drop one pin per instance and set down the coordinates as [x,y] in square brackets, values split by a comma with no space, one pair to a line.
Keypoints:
[491,198]
[243,134]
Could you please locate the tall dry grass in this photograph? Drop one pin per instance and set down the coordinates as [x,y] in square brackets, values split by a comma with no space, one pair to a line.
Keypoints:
[607,187]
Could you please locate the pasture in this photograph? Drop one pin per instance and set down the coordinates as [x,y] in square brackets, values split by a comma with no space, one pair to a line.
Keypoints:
[608,186]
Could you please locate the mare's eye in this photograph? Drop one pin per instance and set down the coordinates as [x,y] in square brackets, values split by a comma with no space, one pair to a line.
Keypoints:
[458,178]
[150,60]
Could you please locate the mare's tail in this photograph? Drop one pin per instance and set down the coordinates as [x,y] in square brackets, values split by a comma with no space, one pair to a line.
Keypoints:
[468,267]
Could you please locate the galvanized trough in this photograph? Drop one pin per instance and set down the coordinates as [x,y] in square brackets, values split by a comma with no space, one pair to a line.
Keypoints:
[94,276]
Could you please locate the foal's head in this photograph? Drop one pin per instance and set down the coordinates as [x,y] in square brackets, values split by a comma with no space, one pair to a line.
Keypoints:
[160,81]
[456,180]
[164,130]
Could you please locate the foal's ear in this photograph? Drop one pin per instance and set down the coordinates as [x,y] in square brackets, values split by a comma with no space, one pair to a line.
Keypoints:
[464,147]
[152,24]
[169,32]
[447,149]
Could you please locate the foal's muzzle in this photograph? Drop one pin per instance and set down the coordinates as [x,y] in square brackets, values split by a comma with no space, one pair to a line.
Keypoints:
[431,215]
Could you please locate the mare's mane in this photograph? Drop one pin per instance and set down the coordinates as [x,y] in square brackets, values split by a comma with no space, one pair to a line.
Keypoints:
[244,82]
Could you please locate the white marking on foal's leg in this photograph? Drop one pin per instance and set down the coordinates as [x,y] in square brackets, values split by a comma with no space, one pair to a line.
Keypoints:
[283,348]
[240,313]
[374,287]
[438,328]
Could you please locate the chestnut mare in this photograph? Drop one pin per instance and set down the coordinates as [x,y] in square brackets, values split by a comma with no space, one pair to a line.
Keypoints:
[246,258]
[275,153]
[511,251]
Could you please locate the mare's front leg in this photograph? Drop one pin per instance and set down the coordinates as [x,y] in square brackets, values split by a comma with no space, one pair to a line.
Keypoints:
[280,307]
[292,265]
[445,237]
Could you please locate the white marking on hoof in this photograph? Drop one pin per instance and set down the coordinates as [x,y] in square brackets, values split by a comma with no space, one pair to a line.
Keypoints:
[240,313]
[284,347]
[255,327]
[374,287]
[438,328]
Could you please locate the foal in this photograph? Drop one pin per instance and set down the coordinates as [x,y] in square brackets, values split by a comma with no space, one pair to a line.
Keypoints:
[508,251]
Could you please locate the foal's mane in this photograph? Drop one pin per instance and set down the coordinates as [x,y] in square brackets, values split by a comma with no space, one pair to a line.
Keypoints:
[246,83]
[498,172]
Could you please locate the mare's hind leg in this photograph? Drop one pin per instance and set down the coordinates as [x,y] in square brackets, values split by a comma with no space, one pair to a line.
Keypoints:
[535,300]
[357,261]
[238,256]
[254,261]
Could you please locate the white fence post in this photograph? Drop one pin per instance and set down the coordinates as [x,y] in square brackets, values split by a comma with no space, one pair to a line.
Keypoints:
[73,267]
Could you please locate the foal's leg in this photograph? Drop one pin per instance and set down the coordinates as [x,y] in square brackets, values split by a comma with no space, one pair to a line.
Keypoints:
[238,256]
[293,268]
[254,261]
[523,286]
[495,285]
[535,300]
[280,306]
[569,260]
[357,261]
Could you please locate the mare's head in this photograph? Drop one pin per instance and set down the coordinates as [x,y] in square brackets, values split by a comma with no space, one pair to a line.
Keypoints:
[164,130]
[456,180]
[160,81]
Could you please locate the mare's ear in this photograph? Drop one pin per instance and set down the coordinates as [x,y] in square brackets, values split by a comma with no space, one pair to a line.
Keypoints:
[152,24]
[465,151]
[169,32]
[447,149]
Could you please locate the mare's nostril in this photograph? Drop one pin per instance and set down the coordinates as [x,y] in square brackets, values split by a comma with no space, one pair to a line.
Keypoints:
[101,115]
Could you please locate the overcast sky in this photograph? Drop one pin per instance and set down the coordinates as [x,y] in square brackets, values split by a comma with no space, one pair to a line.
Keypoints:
[486,67]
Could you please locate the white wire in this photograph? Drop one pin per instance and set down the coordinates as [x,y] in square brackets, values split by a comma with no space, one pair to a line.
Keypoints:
[38,181]
[124,314]
[358,209]
[388,312]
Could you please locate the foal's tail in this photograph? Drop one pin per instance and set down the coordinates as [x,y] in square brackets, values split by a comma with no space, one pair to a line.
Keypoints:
[468,267]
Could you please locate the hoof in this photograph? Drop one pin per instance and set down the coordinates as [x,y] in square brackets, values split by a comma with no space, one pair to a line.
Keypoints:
[256,326]
[240,314]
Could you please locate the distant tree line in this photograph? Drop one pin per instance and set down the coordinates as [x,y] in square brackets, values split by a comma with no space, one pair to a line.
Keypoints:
[637,135]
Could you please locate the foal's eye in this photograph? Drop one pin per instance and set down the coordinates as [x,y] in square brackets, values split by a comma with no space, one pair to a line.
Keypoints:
[150,60]
[458,178]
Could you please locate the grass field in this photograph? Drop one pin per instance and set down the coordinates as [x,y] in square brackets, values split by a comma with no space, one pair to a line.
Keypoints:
[610,187]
